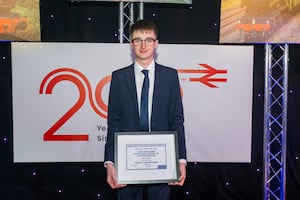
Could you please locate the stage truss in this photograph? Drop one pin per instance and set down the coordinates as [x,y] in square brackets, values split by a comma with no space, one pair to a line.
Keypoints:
[127,18]
[275,120]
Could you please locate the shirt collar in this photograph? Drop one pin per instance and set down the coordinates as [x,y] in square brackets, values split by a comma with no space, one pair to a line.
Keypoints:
[139,68]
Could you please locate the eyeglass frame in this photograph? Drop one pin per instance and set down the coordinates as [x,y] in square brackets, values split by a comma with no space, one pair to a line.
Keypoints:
[138,41]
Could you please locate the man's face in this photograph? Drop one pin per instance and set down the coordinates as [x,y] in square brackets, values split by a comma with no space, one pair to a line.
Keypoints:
[144,43]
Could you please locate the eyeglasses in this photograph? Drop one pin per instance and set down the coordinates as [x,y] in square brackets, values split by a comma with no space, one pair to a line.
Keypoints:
[139,41]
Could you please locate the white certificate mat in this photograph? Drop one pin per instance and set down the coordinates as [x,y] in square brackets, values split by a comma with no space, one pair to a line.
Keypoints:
[146,157]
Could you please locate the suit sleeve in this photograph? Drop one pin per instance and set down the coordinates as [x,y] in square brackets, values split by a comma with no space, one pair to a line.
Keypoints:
[113,117]
[177,116]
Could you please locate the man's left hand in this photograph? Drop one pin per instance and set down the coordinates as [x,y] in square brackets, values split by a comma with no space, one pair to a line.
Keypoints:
[182,171]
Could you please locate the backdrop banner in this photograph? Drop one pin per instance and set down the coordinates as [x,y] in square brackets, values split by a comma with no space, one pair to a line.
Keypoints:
[60,95]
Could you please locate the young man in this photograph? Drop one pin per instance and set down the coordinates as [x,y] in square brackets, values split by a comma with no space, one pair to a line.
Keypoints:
[164,105]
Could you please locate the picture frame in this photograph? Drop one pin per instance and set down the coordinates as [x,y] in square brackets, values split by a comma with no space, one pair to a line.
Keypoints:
[146,157]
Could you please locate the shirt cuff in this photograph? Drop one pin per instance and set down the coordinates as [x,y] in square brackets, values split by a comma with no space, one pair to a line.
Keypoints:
[108,162]
[183,161]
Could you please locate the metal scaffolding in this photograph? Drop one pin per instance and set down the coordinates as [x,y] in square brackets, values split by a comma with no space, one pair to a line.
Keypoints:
[275,120]
[126,18]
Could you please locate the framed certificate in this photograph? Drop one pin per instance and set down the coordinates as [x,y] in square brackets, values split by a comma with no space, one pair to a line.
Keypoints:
[146,157]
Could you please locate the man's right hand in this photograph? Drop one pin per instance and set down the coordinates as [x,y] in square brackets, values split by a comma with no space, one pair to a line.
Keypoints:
[111,178]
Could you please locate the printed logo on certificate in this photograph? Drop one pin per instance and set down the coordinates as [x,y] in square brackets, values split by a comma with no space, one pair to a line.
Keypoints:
[146,157]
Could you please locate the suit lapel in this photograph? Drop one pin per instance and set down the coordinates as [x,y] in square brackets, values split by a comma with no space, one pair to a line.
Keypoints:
[157,82]
[130,82]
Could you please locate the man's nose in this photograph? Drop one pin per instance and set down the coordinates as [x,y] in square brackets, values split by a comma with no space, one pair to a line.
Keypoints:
[143,43]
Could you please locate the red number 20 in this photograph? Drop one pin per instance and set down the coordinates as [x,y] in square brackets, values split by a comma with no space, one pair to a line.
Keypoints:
[77,78]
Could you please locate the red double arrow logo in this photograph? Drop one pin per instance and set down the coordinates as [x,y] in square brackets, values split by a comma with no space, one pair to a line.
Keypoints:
[206,79]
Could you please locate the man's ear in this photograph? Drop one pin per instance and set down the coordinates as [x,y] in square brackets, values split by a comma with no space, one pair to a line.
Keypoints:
[156,43]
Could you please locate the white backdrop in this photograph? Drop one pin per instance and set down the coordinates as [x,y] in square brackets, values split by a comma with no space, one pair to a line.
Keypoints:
[61,89]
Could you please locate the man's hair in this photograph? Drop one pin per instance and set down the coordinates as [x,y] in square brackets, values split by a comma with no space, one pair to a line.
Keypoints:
[143,24]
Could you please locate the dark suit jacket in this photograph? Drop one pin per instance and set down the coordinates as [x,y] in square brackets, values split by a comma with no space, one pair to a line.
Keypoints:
[123,112]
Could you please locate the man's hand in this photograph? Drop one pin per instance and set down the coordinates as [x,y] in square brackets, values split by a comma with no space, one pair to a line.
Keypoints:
[182,171]
[111,178]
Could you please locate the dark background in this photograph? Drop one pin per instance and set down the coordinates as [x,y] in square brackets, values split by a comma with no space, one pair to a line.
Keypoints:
[63,21]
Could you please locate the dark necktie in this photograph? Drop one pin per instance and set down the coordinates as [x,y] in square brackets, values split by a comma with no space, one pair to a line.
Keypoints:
[144,122]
